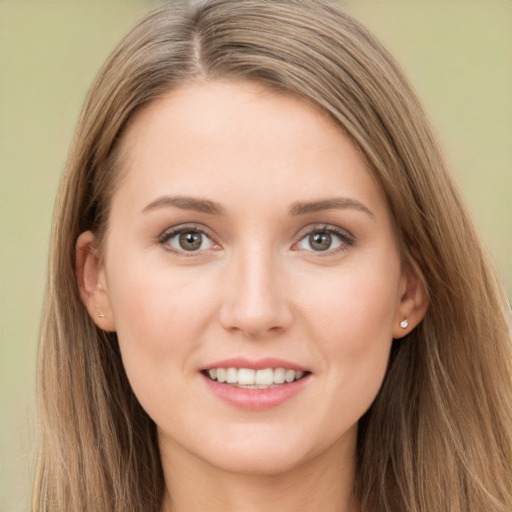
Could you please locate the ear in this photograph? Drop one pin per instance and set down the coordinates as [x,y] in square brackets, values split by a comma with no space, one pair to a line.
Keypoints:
[92,282]
[412,301]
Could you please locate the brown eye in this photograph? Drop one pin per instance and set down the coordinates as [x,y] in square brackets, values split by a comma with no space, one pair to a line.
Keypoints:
[190,240]
[329,239]
[320,241]
[187,240]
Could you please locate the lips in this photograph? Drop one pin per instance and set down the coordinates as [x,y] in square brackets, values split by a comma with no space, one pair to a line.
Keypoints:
[255,385]
[254,379]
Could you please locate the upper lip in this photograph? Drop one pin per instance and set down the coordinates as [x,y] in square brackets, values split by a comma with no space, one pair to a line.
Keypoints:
[256,364]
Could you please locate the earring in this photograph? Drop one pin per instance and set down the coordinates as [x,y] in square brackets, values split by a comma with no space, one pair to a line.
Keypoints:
[404,323]
[98,312]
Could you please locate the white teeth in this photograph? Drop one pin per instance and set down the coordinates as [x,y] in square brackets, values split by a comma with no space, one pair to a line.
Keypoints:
[221,375]
[279,375]
[265,377]
[231,375]
[289,375]
[246,376]
[255,379]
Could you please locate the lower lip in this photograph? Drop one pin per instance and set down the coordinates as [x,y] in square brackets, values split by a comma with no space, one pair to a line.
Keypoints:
[256,399]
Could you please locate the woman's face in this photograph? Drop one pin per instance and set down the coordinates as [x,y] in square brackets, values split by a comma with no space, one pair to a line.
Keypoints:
[247,237]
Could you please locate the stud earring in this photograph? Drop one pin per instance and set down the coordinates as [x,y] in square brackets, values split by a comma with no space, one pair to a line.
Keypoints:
[404,323]
[98,312]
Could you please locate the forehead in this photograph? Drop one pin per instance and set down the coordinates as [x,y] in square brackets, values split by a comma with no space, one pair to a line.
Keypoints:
[220,137]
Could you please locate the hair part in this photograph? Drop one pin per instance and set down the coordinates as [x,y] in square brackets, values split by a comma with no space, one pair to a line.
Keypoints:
[438,436]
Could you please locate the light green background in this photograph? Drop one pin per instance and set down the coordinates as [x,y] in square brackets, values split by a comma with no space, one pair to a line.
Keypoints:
[458,54]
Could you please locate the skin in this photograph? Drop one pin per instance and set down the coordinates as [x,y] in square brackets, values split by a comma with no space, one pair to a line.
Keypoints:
[256,288]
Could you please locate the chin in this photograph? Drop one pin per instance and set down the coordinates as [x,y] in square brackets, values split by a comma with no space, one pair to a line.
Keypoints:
[262,457]
[259,464]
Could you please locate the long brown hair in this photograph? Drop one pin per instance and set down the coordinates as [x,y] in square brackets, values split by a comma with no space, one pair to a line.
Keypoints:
[439,435]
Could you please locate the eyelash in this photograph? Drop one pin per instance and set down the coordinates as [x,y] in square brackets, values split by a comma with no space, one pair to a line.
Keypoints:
[165,237]
[346,239]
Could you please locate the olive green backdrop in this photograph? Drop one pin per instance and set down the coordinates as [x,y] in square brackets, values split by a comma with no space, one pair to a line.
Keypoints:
[458,54]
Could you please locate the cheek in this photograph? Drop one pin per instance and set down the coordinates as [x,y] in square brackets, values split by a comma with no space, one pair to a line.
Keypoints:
[158,327]
[359,305]
[160,317]
[154,303]
[353,319]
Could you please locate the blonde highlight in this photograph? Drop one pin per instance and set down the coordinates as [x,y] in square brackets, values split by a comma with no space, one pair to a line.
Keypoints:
[439,434]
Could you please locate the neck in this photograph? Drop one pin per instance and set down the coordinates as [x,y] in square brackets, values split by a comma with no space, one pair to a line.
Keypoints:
[322,483]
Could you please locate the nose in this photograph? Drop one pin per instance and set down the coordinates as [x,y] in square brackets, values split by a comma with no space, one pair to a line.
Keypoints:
[256,300]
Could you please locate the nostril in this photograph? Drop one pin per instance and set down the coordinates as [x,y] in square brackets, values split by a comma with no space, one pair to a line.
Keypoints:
[254,302]
[254,325]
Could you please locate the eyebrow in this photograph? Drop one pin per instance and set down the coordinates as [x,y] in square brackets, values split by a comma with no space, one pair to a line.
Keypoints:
[298,208]
[335,203]
[186,203]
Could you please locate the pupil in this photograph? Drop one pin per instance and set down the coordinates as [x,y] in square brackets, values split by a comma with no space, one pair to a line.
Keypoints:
[320,241]
[190,241]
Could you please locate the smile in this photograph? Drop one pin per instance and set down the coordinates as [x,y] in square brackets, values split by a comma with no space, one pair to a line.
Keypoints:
[249,378]
[255,385]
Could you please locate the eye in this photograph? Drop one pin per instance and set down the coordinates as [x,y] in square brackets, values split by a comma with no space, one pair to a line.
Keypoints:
[326,239]
[187,239]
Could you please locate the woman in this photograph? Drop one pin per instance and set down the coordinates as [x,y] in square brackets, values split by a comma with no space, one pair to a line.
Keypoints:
[265,290]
